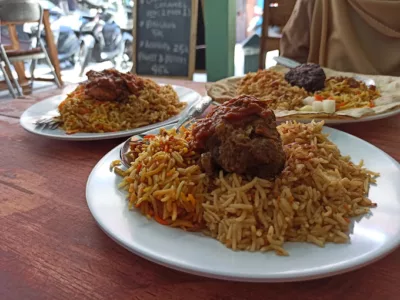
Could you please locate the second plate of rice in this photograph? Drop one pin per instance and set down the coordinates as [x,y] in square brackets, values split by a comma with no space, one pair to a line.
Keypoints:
[344,230]
[150,110]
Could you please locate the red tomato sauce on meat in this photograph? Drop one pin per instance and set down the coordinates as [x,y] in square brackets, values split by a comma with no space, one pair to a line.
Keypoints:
[238,110]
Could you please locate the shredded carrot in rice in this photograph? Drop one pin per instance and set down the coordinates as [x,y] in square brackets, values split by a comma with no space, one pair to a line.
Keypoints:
[312,203]
[271,86]
[80,113]
[168,185]
[312,200]
[348,93]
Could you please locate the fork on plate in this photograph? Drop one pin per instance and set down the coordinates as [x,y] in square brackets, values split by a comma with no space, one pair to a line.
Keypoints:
[51,120]
[48,122]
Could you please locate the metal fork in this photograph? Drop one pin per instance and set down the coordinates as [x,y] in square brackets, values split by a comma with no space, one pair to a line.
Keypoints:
[50,120]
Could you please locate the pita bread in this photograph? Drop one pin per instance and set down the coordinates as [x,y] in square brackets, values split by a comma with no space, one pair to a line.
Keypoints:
[388,86]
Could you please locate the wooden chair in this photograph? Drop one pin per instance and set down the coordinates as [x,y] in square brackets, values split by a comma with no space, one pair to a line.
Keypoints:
[7,79]
[276,13]
[15,12]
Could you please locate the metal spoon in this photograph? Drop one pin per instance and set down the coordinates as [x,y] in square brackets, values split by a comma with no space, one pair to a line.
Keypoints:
[126,162]
[286,62]
[194,111]
[368,81]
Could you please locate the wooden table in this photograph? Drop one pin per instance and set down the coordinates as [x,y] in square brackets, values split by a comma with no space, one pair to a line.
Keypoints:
[51,247]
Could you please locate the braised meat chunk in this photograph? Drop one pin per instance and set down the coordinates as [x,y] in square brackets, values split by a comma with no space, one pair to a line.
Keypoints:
[309,76]
[111,85]
[240,136]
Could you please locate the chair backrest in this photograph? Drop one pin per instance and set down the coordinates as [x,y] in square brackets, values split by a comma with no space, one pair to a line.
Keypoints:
[20,11]
[279,15]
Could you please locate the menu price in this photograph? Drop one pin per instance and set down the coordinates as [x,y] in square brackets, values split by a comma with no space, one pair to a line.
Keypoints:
[163,37]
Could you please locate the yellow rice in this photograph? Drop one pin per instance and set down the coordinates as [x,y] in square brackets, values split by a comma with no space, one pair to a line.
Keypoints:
[311,201]
[271,86]
[80,113]
[346,96]
[164,182]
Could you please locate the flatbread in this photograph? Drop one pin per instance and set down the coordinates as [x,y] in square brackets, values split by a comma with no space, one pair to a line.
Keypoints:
[388,86]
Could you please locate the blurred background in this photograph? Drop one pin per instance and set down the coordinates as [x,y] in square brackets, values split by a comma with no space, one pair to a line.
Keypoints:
[97,34]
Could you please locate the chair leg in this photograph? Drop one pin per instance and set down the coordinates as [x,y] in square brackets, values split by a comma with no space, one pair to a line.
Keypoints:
[9,85]
[8,65]
[33,67]
[53,71]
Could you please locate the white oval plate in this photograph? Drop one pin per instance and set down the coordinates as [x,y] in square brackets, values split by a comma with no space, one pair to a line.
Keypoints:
[372,238]
[41,108]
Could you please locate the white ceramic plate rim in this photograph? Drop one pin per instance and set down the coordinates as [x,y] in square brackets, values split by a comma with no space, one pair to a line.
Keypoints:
[36,110]
[317,272]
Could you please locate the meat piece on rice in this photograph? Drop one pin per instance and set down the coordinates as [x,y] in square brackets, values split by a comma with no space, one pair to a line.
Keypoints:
[240,136]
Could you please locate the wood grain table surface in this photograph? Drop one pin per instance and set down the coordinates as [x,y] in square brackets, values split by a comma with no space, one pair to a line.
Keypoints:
[52,248]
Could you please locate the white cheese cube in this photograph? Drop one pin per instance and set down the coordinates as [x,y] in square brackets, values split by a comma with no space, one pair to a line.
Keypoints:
[329,106]
[317,106]
[308,101]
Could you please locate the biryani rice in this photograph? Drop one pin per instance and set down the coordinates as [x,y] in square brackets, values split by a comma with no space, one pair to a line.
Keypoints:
[311,201]
[80,113]
[348,96]
[271,86]
[164,182]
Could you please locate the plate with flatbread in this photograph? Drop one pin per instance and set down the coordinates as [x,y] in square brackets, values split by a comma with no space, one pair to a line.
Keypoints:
[310,92]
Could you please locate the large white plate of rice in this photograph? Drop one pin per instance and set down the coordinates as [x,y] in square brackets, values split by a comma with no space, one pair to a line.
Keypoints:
[371,236]
[155,110]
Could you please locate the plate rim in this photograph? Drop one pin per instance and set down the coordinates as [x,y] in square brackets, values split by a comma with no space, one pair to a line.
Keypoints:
[101,136]
[239,277]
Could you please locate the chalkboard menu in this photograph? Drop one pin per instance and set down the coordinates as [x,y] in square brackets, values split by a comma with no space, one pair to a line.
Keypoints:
[164,36]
